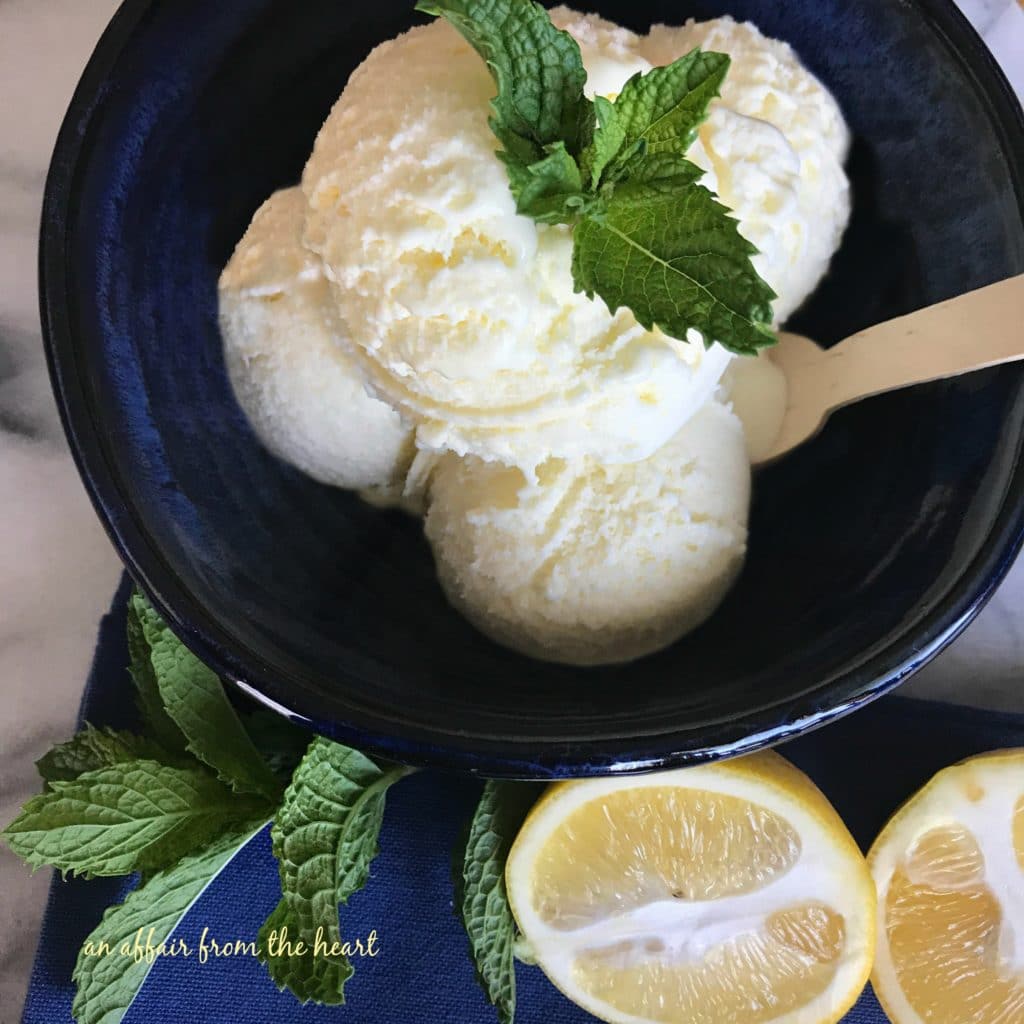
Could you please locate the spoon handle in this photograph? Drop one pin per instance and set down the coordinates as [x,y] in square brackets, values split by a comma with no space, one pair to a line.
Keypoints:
[973,331]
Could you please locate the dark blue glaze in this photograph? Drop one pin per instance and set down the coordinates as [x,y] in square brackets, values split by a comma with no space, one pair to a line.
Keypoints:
[870,549]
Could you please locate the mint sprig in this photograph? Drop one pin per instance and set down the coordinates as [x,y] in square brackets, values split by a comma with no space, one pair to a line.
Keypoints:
[325,837]
[108,985]
[178,802]
[481,900]
[655,115]
[95,748]
[133,816]
[193,698]
[538,70]
[670,256]
[157,721]
[647,235]
[164,804]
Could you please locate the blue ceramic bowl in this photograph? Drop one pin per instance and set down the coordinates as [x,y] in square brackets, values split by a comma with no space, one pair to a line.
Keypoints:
[871,548]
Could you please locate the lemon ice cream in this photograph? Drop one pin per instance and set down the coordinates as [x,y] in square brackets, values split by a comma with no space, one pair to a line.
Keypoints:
[596,563]
[774,146]
[460,312]
[611,54]
[586,481]
[297,385]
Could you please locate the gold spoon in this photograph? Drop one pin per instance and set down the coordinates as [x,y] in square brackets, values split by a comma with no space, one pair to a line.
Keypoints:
[971,332]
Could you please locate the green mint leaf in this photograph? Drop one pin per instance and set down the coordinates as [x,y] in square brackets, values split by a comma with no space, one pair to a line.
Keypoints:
[537,68]
[195,701]
[135,816]
[147,692]
[480,897]
[667,175]
[92,749]
[609,137]
[671,253]
[656,113]
[325,838]
[551,190]
[107,983]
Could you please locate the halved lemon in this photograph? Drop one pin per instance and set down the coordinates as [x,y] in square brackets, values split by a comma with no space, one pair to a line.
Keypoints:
[949,868]
[729,893]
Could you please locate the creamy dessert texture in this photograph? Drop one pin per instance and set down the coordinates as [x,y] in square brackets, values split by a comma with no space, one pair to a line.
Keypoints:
[394,326]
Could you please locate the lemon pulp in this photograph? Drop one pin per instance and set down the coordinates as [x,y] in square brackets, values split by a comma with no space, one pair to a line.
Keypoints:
[944,925]
[952,931]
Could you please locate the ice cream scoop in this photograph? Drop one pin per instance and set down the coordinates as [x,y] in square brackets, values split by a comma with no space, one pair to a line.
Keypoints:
[774,146]
[611,53]
[588,563]
[463,314]
[396,326]
[299,388]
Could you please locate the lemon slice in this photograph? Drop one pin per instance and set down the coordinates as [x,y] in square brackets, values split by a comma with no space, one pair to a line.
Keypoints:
[722,894]
[949,869]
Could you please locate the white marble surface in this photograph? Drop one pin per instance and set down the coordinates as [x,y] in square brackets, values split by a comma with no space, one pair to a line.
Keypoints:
[57,571]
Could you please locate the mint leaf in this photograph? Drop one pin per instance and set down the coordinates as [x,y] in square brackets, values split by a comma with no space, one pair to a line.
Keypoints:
[670,252]
[94,748]
[147,693]
[108,983]
[658,242]
[609,137]
[136,816]
[197,706]
[325,837]
[551,190]
[656,113]
[480,898]
[537,68]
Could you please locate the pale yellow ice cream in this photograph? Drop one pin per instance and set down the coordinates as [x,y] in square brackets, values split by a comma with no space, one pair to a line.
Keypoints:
[461,313]
[611,53]
[587,481]
[594,564]
[297,385]
[766,80]
[774,148]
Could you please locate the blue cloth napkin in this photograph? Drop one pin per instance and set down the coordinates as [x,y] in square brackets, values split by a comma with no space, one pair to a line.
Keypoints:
[867,765]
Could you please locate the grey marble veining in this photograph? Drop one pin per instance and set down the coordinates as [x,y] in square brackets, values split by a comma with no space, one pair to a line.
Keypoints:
[57,570]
